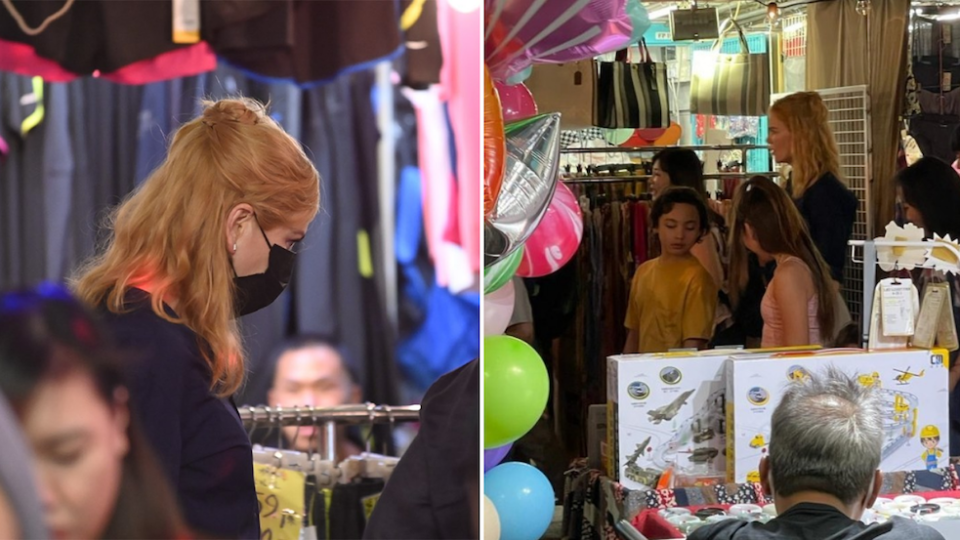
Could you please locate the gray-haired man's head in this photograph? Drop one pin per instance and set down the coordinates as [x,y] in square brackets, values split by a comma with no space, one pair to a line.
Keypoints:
[826,437]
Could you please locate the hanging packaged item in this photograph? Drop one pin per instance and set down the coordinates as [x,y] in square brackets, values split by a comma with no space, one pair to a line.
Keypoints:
[567,89]
[936,326]
[631,95]
[730,84]
[879,339]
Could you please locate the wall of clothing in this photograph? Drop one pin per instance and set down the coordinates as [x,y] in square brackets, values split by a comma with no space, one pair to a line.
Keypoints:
[596,287]
[72,149]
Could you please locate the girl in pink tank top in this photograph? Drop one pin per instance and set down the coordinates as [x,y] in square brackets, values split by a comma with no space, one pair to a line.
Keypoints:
[799,300]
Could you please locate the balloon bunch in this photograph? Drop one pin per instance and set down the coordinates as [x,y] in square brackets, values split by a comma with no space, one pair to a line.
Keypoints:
[523,209]
[532,226]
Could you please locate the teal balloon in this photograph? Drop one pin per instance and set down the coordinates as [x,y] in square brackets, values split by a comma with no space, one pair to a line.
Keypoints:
[523,75]
[515,389]
[524,500]
[639,19]
[499,273]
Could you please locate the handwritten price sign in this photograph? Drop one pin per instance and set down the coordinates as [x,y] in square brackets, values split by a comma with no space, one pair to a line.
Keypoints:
[280,496]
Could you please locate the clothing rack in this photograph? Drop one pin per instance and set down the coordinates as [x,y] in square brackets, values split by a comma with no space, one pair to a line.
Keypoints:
[869,262]
[655,149]
[603,179]
[369,413]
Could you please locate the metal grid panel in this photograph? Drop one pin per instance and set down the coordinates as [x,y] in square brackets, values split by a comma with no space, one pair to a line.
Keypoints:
[794,34]
[850,121]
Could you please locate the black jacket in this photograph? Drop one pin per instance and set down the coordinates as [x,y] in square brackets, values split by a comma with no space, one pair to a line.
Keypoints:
[435,490]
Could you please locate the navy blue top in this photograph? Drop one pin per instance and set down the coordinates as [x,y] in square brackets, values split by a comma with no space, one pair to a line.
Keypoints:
[198,438]
[830,208]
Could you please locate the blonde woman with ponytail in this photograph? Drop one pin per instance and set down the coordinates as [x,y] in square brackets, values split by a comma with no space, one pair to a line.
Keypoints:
[209,236]
[799,135]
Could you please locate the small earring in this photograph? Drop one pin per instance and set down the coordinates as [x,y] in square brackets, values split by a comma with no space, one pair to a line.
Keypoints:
[234,247]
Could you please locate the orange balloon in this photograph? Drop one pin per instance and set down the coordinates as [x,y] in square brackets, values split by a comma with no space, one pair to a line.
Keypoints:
[494,143]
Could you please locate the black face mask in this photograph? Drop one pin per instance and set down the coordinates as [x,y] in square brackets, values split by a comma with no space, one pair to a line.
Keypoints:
[260,290]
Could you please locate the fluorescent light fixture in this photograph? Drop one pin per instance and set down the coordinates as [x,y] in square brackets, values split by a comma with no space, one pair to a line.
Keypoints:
[949,16]
[662,12]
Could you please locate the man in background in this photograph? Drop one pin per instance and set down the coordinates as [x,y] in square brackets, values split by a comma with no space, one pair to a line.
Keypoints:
[310,371]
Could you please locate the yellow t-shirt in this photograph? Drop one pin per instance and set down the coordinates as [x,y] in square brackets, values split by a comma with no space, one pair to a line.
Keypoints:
[671,302]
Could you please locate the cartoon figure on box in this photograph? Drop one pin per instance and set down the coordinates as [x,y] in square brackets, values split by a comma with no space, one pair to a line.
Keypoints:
[929,438]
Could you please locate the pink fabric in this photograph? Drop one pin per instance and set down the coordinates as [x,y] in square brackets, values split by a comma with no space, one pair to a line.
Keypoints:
[461,82]
[773,318]
[23,59]
[436,176]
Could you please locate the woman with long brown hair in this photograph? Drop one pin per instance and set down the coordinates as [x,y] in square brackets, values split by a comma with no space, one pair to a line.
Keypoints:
[63,378]
[798,306]
[209,236]
[800,135]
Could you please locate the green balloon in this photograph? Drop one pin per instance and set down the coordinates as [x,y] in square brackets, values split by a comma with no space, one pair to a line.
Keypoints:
[515,389]
[499,273]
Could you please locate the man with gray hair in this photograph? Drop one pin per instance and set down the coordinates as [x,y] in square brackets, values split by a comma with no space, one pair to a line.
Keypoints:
[822,469]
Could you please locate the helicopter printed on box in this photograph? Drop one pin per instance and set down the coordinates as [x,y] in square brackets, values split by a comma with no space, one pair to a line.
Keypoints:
[914,403]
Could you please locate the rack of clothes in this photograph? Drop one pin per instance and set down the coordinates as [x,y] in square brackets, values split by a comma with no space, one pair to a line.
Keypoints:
[311,494]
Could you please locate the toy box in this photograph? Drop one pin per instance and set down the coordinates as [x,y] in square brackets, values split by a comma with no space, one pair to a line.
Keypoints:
[914,392]
[665,409]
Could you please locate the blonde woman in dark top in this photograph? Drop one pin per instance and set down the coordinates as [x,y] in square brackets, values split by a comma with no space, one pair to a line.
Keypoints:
[800,135]
[211,235]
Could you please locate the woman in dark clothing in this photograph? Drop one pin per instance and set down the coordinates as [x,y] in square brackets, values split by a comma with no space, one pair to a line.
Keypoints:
[96,472]
[208,237]
[800,136]
[929,194]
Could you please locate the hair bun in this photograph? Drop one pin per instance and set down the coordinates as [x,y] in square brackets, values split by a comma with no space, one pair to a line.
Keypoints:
[239,110]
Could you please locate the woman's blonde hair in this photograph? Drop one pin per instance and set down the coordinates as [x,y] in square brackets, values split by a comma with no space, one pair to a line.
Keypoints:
[780,229]
[171,229]
[814,149]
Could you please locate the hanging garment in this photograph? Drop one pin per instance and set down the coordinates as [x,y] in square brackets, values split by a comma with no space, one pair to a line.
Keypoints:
[929,71]
[448,338]
[424,56]
[940,103]
[193,60]
[105,36]
[933,132]
[351,506]
[461,87]
[309,42]
[434,492]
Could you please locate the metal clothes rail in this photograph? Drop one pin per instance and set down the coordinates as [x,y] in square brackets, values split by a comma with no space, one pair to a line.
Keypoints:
[330,417]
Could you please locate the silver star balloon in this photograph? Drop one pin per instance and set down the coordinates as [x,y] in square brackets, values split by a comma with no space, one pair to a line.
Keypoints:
[530,177]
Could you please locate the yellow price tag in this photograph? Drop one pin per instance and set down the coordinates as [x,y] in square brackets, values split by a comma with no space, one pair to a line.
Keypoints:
[280,498]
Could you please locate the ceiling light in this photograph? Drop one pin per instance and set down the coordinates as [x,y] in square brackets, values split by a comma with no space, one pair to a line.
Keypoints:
[949,16]
[773,12]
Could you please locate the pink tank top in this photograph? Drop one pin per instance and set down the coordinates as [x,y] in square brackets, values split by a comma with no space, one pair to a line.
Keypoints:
[773,319]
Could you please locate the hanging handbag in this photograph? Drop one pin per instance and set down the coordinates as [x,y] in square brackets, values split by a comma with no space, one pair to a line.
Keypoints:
[632,95]
[730,84]
[567,89]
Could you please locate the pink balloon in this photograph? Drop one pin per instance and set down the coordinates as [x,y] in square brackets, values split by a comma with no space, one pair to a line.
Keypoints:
[498,309]
[519,33]
[556,239]
[516,102]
